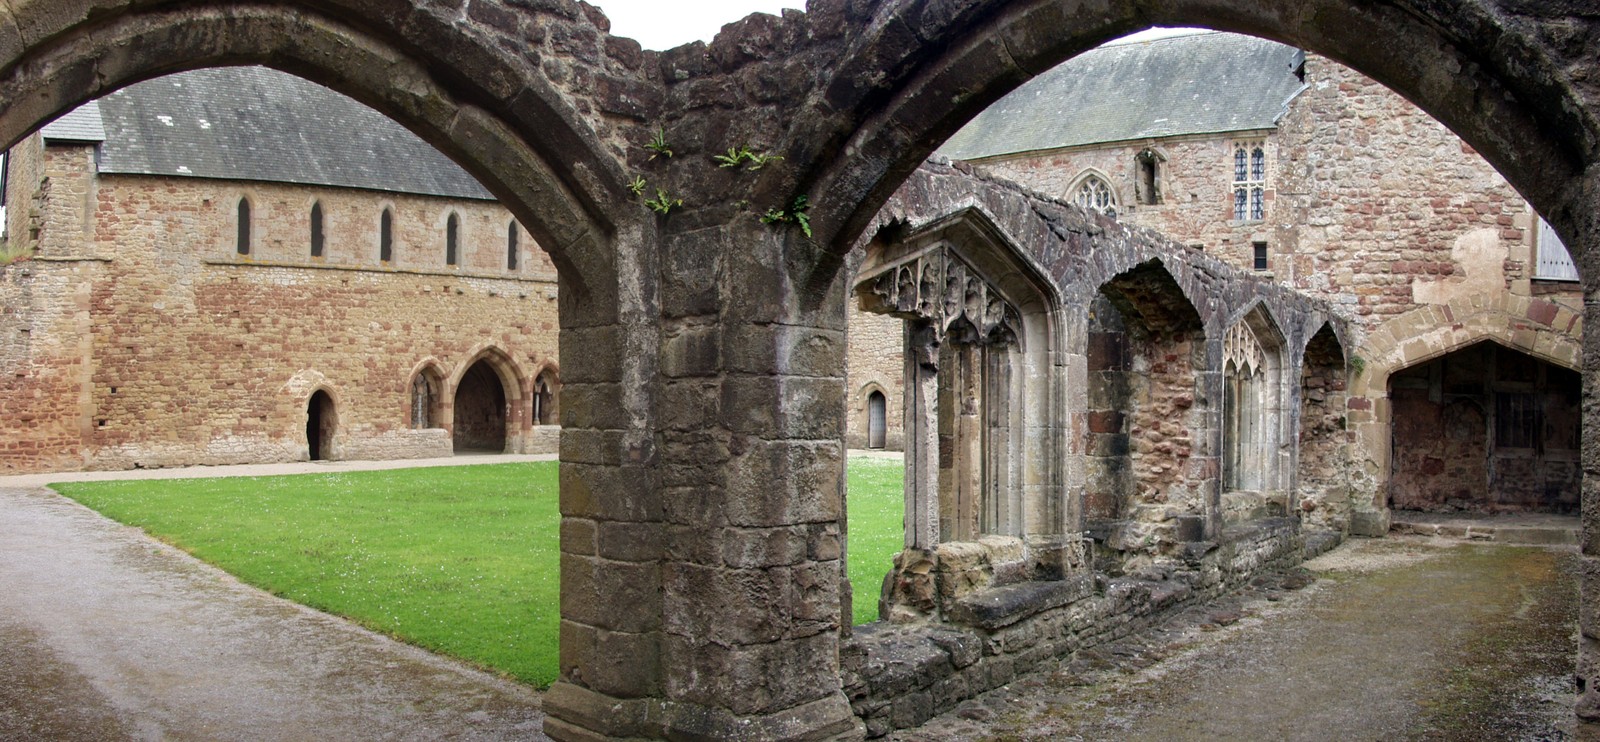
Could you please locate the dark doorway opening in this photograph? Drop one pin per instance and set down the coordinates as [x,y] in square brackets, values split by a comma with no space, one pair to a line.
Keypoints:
[1485,429]
[320,424]
[480,410]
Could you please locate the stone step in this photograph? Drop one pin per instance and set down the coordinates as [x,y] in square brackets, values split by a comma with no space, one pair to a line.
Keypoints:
[1541,535]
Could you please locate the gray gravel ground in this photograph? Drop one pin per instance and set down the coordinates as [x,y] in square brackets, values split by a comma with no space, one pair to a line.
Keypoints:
[106,634]
[1397,639]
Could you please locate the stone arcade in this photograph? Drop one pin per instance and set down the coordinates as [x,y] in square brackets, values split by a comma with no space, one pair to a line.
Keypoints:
[703,352]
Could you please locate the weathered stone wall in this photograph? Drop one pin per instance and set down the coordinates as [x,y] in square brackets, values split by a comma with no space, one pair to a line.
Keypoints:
[899,676]
[875,363]
[189,353]
[1196,194]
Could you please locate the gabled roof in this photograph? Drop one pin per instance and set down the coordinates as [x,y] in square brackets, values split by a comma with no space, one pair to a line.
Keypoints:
[1201,83]
[254,123]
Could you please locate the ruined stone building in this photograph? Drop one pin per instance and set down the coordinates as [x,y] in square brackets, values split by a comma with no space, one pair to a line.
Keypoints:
[235,265]
[704,402]
[1464,305]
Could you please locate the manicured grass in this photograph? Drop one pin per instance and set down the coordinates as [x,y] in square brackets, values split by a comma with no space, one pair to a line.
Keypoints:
[877,528]
[462,560]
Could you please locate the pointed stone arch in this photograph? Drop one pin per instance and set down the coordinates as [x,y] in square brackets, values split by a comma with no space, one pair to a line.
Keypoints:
[1322,460]
[425,395]
[1256,446]
[982,415]
[1539,328]
[1146,419]
[468,417]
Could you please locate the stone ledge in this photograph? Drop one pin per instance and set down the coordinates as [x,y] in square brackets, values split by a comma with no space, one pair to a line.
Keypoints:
[1002,606]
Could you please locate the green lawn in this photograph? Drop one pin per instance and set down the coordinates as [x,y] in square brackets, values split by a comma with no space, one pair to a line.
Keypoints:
[462,560]
[877,530]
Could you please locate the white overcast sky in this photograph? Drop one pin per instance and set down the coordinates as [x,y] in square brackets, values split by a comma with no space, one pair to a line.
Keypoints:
[663,24]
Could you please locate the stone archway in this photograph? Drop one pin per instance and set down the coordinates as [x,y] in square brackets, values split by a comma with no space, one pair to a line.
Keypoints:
[1546,331]
[480,419]
[322,423]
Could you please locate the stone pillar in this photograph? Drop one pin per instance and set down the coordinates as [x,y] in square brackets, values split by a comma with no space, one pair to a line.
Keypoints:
[1588,674]
[701,568]
[922,436]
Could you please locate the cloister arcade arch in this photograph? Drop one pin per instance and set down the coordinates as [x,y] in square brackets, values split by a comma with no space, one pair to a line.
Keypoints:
[745,317]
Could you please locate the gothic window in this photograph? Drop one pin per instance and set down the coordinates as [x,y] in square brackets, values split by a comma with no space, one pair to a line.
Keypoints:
[545,389]
[511,246]
[1095,194]
[1249,181]
[316,230]
[243,243]
[424,400]
[386,236]
[452,227]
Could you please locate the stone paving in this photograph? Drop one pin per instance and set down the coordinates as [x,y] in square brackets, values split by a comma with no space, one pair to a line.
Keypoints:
[1401,638]
[108,634]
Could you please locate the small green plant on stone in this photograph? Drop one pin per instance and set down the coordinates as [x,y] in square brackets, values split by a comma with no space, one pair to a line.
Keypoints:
[795,213]
[637,186]
[1358,365]
[741,155]
[663,203]
[658,144]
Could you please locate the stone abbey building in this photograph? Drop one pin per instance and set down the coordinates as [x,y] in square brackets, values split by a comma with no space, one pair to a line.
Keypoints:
[1082,367]
[235,265]
[1462,306]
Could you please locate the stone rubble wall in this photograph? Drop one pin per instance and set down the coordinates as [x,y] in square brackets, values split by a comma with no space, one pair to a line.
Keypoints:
[900,675]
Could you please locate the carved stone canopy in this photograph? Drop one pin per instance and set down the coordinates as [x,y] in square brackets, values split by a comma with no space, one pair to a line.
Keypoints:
[939,287]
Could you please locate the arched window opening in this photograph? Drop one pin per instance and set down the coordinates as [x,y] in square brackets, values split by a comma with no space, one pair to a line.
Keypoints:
[1252,416]
[316,230]
[1148,164]
[386,236]
[425,388]
[1095,194]
[511,246]
[451,227]
[546,400]
[877,419]
[243,244]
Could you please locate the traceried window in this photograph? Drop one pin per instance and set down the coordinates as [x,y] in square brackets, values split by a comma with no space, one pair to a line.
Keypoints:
[1095,194]
[1249,181]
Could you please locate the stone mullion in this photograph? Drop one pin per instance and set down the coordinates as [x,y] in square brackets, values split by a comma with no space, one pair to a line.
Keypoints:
[921,425]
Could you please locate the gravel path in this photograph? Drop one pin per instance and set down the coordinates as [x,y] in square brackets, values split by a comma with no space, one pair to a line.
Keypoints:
[1394,639]
[106,634]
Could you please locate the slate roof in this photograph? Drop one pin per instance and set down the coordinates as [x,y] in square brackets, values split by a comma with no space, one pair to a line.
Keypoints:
[1201,83]
[255,123]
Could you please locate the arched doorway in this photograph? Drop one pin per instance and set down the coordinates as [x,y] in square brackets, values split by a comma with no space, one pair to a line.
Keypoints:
[546,404]
[877,422]
[321,422]
[480,411]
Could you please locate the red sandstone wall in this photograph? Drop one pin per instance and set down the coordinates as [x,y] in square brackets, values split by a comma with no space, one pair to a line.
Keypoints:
[200,355]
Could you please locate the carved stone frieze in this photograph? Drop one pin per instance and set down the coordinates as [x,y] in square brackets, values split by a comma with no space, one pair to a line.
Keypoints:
[938,287]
